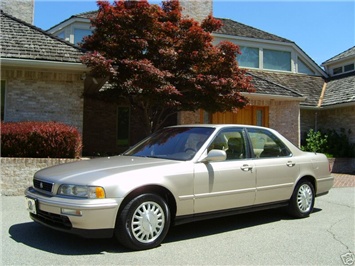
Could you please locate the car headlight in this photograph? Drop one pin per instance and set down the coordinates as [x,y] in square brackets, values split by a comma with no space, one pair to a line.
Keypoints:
[82,191]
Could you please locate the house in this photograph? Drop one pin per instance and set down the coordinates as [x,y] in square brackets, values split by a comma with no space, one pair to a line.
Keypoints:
[41,75]
[293,93]
[338,101]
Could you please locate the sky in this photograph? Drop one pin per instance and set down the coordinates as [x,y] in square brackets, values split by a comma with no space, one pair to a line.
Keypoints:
[322,29]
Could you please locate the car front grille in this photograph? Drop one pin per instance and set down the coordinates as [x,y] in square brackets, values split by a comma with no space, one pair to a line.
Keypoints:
[42,185]
[53,220]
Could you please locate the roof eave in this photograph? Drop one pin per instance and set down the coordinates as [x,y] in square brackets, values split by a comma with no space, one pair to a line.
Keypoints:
[327,107]
[257,96]
[13,62]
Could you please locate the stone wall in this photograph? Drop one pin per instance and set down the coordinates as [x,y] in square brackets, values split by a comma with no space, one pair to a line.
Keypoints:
[17,173]
[197,9]
[21,9]
[43,95]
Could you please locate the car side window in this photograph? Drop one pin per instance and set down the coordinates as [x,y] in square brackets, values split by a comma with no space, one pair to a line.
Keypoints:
[231,141]
[267,145]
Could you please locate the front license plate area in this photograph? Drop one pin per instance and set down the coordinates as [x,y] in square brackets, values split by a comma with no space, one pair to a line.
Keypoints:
[31,205]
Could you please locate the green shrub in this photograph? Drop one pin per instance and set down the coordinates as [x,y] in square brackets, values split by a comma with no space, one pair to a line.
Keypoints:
[331,142]
[315,142]
[40,140]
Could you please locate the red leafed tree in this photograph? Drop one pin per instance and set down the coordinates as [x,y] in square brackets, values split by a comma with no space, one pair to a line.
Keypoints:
[163,63]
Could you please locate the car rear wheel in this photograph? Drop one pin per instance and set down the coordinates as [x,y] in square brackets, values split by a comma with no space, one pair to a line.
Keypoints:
[143,223]
[302,200]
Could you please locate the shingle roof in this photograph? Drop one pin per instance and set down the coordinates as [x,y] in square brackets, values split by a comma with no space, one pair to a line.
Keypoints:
[347,53]
[340,90]
[230,27]
[233,28]
[20,40]
[305,85]
[267,87]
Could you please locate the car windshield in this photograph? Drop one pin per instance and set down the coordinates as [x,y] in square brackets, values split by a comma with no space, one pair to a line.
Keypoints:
[174,143]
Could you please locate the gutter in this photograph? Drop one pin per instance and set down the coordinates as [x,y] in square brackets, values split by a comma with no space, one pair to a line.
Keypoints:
[272,97]
[43,64]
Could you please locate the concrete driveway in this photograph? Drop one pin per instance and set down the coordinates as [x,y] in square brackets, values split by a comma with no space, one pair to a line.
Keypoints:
[263,238]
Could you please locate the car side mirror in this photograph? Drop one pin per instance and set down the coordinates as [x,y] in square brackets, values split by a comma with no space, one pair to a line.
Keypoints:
[215,156]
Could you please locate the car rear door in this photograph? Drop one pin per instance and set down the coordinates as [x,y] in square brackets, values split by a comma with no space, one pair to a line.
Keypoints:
[276,169]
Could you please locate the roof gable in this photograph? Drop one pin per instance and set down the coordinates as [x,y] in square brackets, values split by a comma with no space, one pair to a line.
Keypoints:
[20,40]
[346,54]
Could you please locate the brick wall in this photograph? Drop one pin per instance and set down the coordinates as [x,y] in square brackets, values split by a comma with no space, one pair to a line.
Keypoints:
[335,118]
[17,173]
[284,116]
[338,118]
[40,95]
[186,118]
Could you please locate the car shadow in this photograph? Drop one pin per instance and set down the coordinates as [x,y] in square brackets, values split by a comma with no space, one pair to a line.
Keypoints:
[229,223]
[52,241]
[42,238]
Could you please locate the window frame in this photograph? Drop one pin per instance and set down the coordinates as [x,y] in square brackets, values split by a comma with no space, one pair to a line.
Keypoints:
[3,99]
[257,151]
[123,141]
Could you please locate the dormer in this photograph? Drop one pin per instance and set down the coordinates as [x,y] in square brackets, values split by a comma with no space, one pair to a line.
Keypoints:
[75,28]
[264,51]
[342,63]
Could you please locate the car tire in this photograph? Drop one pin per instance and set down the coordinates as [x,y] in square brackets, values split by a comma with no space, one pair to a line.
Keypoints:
[143,222]
[302,200]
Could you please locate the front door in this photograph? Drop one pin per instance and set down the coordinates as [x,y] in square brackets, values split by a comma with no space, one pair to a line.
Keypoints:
[227,184]
[249,115]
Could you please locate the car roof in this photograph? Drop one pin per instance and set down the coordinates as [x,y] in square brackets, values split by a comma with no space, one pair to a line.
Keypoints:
[220,126]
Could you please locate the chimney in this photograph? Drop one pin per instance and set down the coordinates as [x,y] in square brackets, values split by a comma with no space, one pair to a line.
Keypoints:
[21,9]
[197,9]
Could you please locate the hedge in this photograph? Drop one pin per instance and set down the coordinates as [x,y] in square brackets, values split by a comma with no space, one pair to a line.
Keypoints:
[40,140]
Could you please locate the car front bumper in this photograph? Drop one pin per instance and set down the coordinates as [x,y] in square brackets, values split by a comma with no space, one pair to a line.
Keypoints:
[85,217]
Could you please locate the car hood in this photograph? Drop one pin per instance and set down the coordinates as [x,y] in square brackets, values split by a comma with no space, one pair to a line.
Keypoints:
[89,171]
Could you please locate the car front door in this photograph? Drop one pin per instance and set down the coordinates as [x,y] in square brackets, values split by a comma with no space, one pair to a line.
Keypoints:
[227,184]
[276,169]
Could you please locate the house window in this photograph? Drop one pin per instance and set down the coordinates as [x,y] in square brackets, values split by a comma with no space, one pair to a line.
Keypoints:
[2,100]
[277,60]
[79,35]
[349,67]
[61,35]
[337,70]
[303,68]
[259,117]
[123,123]
[249,57]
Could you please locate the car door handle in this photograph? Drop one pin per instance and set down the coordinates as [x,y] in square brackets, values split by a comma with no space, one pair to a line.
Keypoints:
[247,168]
[290,164]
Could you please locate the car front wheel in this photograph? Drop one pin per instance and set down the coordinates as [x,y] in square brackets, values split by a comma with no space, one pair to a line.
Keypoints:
[302,200]
[143,223]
